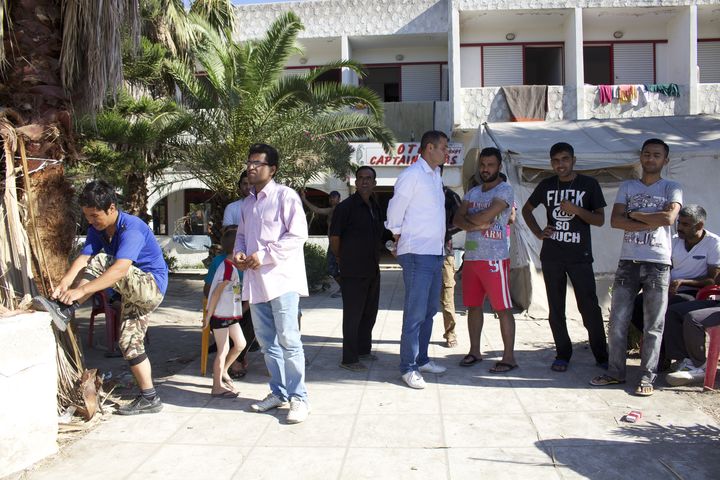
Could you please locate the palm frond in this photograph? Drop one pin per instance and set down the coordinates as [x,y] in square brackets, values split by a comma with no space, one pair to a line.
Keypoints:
[270,54]
[218,13]
[3,16]
[353,65]
[91,55]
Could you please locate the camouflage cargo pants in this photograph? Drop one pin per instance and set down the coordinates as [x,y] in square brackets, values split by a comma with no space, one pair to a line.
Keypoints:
[140,297]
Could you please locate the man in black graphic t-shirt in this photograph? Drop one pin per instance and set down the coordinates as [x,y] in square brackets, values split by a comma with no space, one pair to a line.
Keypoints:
[572,202]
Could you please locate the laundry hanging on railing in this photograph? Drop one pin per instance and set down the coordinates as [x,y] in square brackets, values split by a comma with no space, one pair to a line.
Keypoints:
[636,94]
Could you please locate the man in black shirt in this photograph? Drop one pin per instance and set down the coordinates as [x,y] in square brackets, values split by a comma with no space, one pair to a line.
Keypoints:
[573,202]
[356,234]
[447,296]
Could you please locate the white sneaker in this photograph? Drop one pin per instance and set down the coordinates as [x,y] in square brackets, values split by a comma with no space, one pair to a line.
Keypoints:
[414,380]
[686,376]
[432,367]
[684,364]
[299,411]
[268,403]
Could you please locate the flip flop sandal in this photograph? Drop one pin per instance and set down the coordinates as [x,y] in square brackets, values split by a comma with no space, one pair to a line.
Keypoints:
[451,343]
[503,367]
[469,360]
[644,389]
[230,387]
[559,365]
[225,394]
[238,374]
[605,380]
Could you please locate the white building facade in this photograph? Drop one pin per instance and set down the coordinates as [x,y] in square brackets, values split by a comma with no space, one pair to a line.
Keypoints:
[441,64]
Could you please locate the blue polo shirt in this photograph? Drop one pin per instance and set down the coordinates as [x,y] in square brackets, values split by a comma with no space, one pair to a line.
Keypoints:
[133,240]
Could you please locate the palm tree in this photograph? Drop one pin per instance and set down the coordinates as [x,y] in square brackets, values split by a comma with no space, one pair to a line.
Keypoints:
[242,98]
[133,140]
[57,58]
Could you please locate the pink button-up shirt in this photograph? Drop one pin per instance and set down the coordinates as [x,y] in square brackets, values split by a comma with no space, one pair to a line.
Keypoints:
[272,223]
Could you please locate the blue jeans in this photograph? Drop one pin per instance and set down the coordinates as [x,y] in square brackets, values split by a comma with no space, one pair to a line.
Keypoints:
[630,278]
[278,333]
[422,275]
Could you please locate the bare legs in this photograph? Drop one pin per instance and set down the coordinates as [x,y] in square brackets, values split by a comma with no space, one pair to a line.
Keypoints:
[507,331]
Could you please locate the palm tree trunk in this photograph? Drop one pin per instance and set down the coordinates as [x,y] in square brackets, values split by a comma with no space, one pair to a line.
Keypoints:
[137,195]
[39,110]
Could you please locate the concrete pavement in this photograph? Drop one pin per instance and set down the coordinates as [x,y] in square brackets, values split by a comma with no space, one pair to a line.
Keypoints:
[468,423]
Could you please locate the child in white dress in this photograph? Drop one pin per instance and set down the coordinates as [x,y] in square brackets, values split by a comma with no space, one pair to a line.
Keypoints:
[224,312]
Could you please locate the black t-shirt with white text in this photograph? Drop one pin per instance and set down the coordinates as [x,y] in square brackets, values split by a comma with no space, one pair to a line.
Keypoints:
[571,241]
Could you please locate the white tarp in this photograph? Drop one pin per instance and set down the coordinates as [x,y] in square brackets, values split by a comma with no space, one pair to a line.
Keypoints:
[603,144]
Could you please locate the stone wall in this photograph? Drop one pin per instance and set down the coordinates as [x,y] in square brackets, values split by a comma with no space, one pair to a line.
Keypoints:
[659,107]
[28,382]
[488,104]
[709,98]
[334,18]
[548,4]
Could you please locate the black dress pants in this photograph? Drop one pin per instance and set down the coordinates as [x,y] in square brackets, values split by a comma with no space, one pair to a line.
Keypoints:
[583,281]
[361,296]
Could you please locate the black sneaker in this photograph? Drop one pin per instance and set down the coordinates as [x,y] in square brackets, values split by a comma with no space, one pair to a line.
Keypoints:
[60,313]
[141,405]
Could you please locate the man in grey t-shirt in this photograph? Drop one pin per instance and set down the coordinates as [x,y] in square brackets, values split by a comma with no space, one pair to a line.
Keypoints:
[484,216]
[645,209]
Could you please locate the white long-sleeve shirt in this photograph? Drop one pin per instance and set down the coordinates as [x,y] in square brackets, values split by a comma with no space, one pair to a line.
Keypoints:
[416,211]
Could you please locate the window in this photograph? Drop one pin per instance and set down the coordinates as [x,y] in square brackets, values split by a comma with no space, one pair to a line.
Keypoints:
[505,65]
[502,65]
[543,65]
[197,211]
[385,81]
[331,76]
[160,217]
[421,83]
[598,66]
[633,63]
[708,54]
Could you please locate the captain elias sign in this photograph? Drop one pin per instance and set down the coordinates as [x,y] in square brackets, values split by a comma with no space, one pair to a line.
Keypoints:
[405,154]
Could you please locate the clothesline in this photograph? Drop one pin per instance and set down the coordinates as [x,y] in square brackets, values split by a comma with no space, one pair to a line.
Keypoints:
[636,94]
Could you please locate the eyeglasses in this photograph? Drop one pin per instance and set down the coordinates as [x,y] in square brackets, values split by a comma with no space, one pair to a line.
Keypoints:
[256,164]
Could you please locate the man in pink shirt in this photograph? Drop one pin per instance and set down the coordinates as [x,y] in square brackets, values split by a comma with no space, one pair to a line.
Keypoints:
[272,230]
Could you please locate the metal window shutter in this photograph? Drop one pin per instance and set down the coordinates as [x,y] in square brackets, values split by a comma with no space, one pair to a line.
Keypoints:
[708,54]
[420,83]
[292,72]
[633,63]
[502,66]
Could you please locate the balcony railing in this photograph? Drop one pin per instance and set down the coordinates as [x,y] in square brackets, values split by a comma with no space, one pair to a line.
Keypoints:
[709,98]
[487,104]
[650,105]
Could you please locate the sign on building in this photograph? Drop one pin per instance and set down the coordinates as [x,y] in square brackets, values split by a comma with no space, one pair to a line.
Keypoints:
[405,154]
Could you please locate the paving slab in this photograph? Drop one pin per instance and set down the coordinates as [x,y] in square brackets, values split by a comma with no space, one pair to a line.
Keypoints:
[468,423]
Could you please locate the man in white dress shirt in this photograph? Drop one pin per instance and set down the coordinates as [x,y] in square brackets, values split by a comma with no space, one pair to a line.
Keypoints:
[416,217]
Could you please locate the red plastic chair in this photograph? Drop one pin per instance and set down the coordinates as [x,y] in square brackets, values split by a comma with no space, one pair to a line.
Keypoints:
[102,306]
[713,352]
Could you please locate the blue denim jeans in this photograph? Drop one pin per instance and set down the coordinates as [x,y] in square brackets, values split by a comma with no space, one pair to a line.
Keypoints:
[278,333]
[630,278]
[422,275]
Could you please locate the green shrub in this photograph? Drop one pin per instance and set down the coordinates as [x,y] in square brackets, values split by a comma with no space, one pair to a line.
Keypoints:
[171,261]
[315,266]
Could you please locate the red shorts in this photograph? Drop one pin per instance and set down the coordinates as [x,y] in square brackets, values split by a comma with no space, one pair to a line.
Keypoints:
[486,277]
